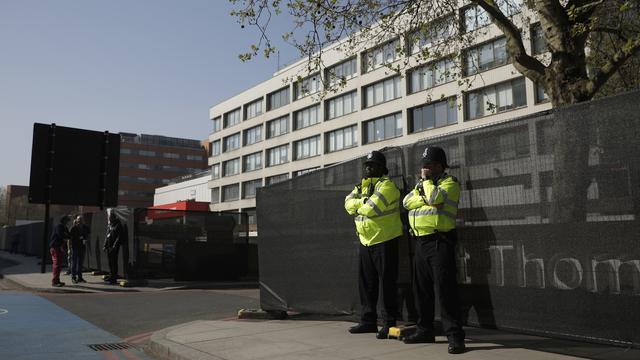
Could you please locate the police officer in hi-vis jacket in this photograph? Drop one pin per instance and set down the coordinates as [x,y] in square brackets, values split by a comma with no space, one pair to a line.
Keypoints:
[375,205]
[433,206]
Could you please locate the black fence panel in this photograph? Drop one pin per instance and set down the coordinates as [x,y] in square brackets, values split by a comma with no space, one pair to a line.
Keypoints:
[191,245]
[21,238]
[548,222]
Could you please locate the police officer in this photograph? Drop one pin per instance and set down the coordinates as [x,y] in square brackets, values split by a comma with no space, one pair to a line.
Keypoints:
[433,206]
[374,203]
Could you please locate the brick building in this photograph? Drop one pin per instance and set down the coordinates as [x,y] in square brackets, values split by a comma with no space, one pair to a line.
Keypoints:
[151,161]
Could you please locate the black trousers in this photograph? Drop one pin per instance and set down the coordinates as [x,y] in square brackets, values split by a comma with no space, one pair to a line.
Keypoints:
[77,258]
[435,268]
[378,263]
[113,264]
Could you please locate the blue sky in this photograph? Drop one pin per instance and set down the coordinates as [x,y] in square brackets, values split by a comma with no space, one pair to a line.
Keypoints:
[140,66]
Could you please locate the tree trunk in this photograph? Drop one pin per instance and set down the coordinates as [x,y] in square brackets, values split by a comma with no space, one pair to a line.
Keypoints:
[571,133]
[570,168]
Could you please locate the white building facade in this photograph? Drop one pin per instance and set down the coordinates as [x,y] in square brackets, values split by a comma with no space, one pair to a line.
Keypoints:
[190,187]
[272,131]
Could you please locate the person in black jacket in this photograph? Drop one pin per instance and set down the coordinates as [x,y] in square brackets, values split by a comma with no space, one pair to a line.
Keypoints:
[79,236]
[56,248]
[112,245]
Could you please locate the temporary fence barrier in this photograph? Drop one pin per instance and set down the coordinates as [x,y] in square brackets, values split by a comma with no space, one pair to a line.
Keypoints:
[569,271]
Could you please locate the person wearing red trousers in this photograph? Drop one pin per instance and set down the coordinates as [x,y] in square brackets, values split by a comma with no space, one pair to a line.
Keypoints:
[59,236]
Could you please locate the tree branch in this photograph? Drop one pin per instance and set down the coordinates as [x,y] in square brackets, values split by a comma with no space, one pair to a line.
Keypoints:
[631,48]
[610,31]
[524,63]
[555,24]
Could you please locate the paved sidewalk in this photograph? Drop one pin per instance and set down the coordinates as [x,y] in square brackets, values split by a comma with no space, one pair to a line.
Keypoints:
[329,340]
[24,271]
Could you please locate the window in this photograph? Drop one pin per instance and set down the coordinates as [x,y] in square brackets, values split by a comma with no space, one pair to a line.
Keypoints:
[382,91]
[230,192]
[430,75]
[307,86]
[277,127]
[215,148]
[252,218]
[171,168]
[231,142]
[194,157]
[494,99]
[217,124]
[507,144]
[486,56]
[381,55]
[306,148]
[215,171]
[252,162]
[278,98]
[341,105]
[510,7]
[430,34]
[232,118]
[278,155]
[382,128]
[253,109]
[276,179]
[215,195]
[340,73]
[474,18]
[438,114]
[341,139]
[253,135]
[146,153]
[231,167]
[249,188]
[144,166]
[125,151]
[538,42]
[541,95]
[305,171]
[306,117]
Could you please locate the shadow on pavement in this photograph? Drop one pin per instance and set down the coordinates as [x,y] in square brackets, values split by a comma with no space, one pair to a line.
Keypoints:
[483,339]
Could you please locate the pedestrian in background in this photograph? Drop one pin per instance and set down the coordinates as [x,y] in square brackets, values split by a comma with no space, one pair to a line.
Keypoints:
[69,257]
[433,207]
[15,243]
[79,236]
[375,204]
[112,244]
[57,244]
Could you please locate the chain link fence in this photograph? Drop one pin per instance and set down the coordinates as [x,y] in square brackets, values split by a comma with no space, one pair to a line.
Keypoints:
[548,225]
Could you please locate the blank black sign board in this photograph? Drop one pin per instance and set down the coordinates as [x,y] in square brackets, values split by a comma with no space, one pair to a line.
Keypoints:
[80,166]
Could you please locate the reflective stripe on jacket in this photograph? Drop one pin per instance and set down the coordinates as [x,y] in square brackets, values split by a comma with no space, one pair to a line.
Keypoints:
[436,208]
[376,207]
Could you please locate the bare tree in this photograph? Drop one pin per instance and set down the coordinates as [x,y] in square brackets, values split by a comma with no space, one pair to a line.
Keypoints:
[573,69]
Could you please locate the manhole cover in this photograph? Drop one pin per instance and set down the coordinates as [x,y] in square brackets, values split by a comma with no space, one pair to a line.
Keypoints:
[110,346]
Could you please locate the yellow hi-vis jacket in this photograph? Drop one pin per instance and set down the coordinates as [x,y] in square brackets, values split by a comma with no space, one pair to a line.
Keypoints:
[375,203]
[435,208]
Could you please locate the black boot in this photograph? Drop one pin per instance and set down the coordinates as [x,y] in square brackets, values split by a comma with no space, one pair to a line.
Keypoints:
[364,328]
[419,337]
[383,333]
[456,346]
